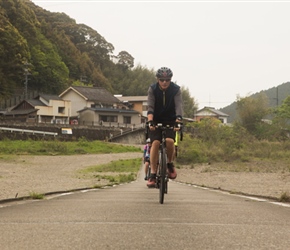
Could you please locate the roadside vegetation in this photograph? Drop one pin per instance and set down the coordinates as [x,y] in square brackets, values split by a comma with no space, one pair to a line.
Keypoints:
[258,142]
[115,172]
[55,147]
[251,139]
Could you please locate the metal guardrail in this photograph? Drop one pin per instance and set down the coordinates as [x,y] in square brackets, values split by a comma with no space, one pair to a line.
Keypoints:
[28,131]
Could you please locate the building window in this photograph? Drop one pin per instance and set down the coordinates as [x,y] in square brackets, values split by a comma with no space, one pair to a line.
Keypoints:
[127,119]
[61,110]
[108,118]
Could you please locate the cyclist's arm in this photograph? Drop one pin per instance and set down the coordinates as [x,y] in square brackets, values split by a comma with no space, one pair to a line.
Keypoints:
[151,104]
[178,104]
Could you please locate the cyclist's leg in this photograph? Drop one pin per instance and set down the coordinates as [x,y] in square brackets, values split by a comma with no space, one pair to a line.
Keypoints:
[146,168]
[170,135]
[154,154]
[170,149]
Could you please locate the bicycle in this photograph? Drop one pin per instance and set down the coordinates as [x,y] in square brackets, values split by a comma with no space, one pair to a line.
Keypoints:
[161,173]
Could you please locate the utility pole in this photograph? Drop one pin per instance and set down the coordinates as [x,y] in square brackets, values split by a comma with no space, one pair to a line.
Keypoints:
[26,74]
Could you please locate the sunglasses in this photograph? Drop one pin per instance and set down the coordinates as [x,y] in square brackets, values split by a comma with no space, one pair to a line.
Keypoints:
[164,80]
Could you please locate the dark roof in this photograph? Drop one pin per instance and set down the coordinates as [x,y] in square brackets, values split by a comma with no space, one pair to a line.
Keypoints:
[112,110]
[213,110]
[21,112]
[35,102]
[48,97]
[94,94]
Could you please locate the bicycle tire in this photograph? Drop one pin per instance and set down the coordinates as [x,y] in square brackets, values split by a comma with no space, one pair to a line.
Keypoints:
[163,169]
[148,172]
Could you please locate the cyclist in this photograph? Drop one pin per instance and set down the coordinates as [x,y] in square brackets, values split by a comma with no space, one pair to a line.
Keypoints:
[164,106]
[146,157]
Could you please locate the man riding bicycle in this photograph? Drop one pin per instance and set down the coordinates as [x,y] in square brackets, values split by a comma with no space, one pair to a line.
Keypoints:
[164,106]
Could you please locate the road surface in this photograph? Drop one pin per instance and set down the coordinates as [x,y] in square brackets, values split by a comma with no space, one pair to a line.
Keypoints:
[129,216]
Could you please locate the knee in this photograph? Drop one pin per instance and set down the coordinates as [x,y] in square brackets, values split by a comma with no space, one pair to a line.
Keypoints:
[169,141]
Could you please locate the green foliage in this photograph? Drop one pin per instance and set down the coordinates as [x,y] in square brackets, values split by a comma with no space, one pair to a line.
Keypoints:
[251,112]
[61,52]
[188,103]
[130,165]
[125,59]
[127,170]
[36,196]
[275,96]
[216,143]
[131,82]
[117,179]
[13,52]
[56,147]
[283,111]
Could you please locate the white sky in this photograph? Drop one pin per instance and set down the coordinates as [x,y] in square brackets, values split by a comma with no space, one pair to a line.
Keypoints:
[218,49]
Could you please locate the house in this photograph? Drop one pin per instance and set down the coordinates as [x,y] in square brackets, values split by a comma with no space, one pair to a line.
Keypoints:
[96,106]
[210,112]
[110,117]
[41,109]
[77,105]
[88,97]
[138,103]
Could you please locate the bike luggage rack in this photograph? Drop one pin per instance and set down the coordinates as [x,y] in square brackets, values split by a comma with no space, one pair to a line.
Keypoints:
[28,131]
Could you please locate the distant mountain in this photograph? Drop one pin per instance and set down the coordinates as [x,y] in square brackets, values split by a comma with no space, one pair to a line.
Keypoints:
[276,96]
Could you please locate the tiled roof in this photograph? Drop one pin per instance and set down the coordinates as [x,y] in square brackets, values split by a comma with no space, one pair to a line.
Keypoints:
[35,102]
[213,110]
[94,94]
[21,112]
[133,98]
[48,97]
[111,110]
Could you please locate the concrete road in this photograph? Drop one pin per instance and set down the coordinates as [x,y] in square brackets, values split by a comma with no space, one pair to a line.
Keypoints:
[130,217]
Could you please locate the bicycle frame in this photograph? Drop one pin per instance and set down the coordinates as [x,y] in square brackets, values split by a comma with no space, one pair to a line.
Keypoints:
[162,177]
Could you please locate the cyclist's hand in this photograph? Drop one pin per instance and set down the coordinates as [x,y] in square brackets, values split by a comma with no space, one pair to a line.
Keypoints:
[178,125]
[151,125]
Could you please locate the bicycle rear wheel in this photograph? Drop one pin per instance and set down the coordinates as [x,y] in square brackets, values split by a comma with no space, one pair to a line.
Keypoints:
[163,169]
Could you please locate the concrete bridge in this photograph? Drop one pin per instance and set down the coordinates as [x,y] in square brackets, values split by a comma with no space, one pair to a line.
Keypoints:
[137,136]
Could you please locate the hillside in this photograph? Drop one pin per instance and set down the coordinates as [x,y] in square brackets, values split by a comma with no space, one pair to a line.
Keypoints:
[47,52]
[275,95]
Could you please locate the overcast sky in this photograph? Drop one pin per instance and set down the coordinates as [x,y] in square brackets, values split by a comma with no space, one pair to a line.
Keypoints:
[216,49]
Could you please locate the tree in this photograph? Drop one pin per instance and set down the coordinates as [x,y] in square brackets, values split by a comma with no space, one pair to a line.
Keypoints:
[13,53]
[189,104]
[251,111]
[283,111]
[125,59]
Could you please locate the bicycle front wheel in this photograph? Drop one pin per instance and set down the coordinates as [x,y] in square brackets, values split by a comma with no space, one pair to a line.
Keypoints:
[163,169]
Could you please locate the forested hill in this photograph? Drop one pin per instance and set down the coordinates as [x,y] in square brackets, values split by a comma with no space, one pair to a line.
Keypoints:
[54,52]
[275,96]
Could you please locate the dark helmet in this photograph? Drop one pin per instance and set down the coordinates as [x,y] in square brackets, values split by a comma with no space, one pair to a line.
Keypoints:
[164,73]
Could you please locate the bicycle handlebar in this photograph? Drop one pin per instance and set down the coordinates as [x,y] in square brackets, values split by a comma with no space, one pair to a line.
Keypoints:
[171,125]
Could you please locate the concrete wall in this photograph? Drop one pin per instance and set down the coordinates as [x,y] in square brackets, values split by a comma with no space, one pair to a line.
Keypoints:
[90,133]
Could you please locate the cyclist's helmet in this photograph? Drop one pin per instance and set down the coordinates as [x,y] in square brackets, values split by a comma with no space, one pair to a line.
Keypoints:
[148,140]
[164,72]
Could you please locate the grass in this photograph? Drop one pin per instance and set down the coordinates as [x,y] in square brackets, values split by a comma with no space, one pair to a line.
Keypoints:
[36,196]
[285,197]
[55,147]
[254,166]
[115,172]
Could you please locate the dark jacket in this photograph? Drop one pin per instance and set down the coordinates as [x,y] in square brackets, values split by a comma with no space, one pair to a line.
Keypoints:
[164,105]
